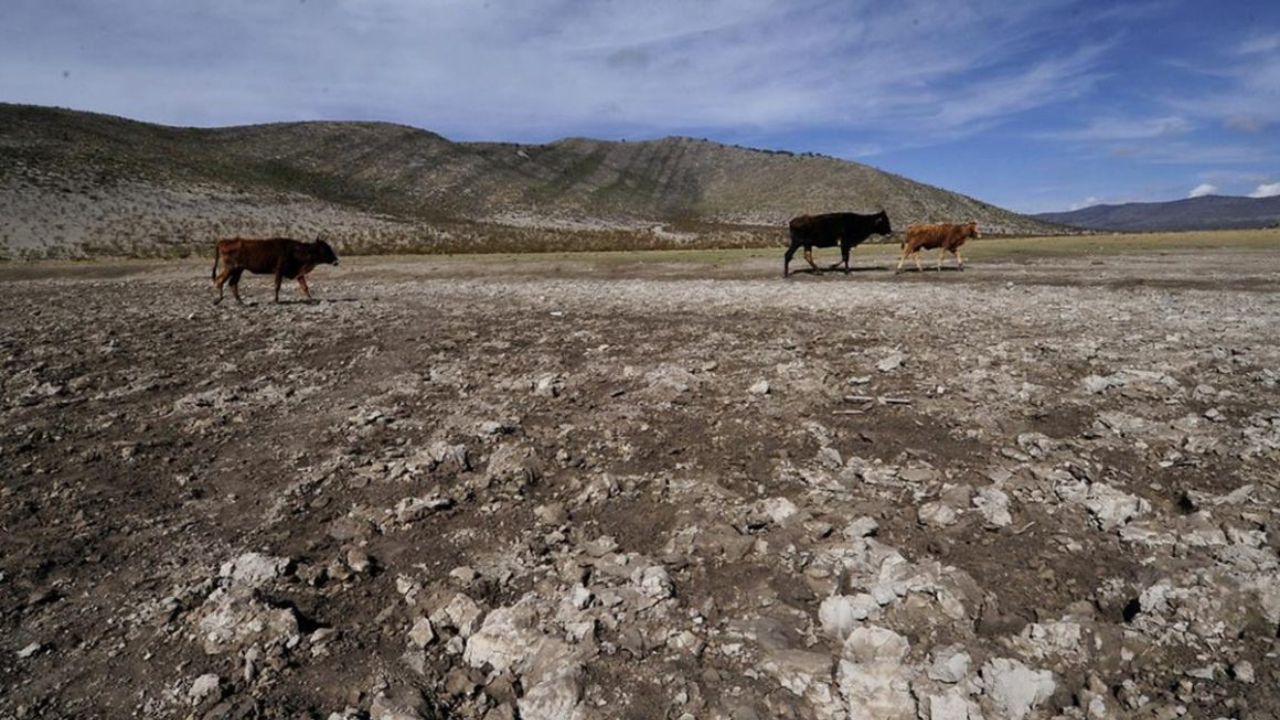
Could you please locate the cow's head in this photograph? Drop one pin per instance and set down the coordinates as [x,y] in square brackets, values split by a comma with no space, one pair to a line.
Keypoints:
[882,223]
[974,232]
[324,253]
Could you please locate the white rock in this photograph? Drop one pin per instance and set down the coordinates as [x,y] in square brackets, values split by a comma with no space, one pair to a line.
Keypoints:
[951,705]
[463,614]
[993,504]
[422,634]
[1095,384]
[840,614]
[29,650]
[556,699]
[870,644]
[779,509]
[861,527]
[547,386]
[1014,689]
[871,676]
[654,581]
[254,569]
[950,664]
[406,705]
[759,388]
[1112,508]
[203,687]
[579,597]
[891,363]
[507,640]
[937,514]
[231,619]
[1243,671]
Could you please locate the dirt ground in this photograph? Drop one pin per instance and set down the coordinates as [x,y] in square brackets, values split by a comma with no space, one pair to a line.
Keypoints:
[558,488]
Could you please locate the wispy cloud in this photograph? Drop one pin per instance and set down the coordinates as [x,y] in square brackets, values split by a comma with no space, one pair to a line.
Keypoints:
[1202,189]
[1246,96]
[1115,128]
[518,70]
[1259,44]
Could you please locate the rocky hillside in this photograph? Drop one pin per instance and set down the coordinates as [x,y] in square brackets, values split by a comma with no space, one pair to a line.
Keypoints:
[1211,212]
[74,183]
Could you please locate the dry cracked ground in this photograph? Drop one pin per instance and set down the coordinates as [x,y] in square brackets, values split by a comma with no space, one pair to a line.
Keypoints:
[551,490]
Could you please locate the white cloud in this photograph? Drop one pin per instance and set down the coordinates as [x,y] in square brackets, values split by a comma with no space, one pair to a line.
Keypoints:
[1087,202]
[524,71]
[1266,190]
[1202,189]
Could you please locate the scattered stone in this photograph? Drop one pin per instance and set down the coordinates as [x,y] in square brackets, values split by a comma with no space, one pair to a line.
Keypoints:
[760,388]
[29,650]
[551,514]
[950,664]
[422,634]
[1112,508]
[463,614]
[206,687]
[840,614]
[937,514]
[401,703]
[359,560]
[891,362]
[1014,689]
[654,581]
[254,569]
[871,676]
[861,527]
[993,504]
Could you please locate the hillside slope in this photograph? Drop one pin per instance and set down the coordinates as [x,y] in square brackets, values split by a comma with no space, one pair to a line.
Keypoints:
[1203,213]
[74,183]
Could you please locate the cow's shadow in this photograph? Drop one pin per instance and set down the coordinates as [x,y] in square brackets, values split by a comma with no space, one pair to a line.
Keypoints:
[944,268]
[841,271]
[298,301]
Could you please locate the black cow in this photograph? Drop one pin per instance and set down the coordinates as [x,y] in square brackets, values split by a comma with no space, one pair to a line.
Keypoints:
[845,229]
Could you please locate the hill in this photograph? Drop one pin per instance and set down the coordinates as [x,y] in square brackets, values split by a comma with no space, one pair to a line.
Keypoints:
[75,183]
[1211,212]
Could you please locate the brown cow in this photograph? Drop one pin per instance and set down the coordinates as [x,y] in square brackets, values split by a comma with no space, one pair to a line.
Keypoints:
[282,257]
[946,237]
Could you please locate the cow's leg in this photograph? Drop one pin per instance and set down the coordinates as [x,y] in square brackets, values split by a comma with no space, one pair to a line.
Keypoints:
[235,285]
[786,259]
[959,260]
[942,252]
[901,260]
[844,257]
[919,267]
[808,256]
[220,281]
[302,280]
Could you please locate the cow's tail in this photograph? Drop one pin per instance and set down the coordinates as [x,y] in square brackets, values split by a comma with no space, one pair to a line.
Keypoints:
[216,256]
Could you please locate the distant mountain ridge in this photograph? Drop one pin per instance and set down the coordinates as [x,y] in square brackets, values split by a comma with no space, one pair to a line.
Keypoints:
[1209,212]
[76,183]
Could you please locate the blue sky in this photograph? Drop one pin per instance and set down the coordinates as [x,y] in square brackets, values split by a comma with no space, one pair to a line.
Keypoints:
[1035,106]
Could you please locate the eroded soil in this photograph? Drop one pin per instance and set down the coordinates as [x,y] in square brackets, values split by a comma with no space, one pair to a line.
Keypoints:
[558,489]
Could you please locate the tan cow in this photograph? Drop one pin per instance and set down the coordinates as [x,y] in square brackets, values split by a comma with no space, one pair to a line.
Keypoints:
[946,237]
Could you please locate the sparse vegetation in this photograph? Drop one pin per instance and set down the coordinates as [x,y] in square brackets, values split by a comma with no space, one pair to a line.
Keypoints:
[78,184]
